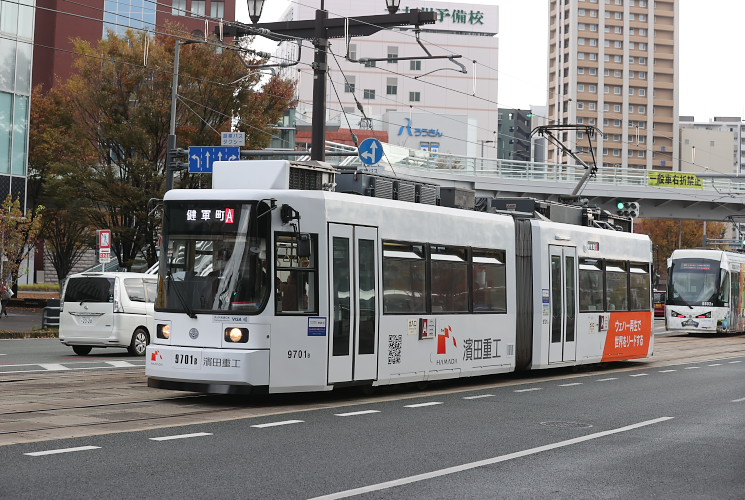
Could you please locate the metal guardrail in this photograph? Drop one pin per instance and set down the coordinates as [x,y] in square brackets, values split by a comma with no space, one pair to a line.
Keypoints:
[50,314]
[526,170]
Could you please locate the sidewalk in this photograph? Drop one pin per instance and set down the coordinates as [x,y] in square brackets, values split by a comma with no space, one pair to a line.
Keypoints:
[19,320]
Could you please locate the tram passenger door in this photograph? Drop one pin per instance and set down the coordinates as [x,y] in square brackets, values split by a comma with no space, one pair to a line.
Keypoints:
[563,300]
[353,299]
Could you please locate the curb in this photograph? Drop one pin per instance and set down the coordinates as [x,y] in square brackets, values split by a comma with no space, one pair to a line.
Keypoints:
[35,334]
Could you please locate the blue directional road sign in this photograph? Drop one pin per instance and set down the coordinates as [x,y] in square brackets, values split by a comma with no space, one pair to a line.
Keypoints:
[371,151]
[202,157]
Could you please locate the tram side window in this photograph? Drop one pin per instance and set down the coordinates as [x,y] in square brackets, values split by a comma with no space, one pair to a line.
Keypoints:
[404,274]
[590,285]
[449,272]
[489,281]
[296,291]
[616,286]
[724,287]
[640,287]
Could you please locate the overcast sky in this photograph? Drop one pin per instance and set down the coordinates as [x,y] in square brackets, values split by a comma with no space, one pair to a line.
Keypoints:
[712,69]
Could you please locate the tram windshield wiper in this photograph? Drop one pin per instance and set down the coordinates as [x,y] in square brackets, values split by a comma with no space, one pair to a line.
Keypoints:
[184,304]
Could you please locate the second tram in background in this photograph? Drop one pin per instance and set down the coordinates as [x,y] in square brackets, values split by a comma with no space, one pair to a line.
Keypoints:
[706,291]
[267,288]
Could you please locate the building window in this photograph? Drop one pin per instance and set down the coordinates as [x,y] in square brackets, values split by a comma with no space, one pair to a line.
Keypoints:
[197,7]
[415,65]
[368,94]
[642,92]
[391,87]
[392,54]
[349,84]
[414,96]
[217,9]
[178,7]
[616,108]
[353,51]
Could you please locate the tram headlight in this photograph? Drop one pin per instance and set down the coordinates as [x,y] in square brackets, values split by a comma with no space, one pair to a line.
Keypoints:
[705,315]
[236,335]
[676,314]
[163,331]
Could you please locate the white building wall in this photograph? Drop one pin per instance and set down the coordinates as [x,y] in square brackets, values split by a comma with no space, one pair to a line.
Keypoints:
[464,106]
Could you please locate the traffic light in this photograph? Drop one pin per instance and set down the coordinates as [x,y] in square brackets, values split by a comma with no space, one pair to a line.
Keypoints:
[627,208]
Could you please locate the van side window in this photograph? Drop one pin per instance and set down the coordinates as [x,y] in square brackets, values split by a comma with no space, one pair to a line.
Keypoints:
[151,288]
[135,289]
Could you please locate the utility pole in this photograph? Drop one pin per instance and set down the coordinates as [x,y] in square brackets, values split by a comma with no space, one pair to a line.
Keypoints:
[319,31]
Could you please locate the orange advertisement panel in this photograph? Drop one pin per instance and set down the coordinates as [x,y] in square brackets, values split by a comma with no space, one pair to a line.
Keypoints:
[629,336]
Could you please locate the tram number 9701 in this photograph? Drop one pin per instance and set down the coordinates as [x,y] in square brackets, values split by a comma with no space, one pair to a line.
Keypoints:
[298,354]
[186,359]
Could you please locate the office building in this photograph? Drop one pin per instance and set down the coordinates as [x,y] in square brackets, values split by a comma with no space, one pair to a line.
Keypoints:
[421,103]
[58,21]
[613,64]
[717,146]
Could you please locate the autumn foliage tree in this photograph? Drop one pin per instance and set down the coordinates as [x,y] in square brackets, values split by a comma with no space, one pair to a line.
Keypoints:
[116,108]
[18,232]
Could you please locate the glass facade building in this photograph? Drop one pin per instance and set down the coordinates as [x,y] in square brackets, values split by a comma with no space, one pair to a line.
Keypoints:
[16,57]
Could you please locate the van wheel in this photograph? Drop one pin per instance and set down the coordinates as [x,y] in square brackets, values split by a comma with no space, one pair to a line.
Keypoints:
[81,350]
[140,340]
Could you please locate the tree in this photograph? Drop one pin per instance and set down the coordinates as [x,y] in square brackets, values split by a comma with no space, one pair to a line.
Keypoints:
[18,232]
[120,102]
[53,147]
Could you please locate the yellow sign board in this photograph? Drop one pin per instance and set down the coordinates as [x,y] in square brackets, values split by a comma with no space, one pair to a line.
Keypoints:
[674,179]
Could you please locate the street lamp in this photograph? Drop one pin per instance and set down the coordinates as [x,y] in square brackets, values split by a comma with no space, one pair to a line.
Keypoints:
[392,5]
[254,9]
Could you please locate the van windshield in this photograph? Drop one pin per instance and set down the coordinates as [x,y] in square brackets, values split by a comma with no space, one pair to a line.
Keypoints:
[216,257]
[90,289]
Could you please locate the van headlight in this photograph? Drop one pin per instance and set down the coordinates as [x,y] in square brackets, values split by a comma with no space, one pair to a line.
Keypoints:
[236,335]
[163,331]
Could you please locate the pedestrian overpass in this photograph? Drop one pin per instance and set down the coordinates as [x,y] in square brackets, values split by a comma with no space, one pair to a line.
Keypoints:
[719,199]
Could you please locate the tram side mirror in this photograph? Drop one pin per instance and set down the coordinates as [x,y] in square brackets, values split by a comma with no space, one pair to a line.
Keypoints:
[303,245]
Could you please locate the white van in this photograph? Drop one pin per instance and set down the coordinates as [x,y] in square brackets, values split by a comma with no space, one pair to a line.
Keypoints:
[108,309]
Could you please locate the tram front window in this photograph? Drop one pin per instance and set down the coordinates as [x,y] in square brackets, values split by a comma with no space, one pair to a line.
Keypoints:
[695,282]
[216,257]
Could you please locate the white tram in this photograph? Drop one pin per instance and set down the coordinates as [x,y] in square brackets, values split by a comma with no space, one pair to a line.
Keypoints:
[706,291]
[265,288]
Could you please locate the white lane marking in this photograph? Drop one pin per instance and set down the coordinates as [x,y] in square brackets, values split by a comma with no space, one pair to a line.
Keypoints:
[420,405]
[355,413]
[481,463]
[479,396]
[716,364]
[121,364]
[53,367]
[736,361]
[275,424]
[181,436]
[692,367]
[528,390]
[667,371]
[62,450]
[639,375]
[738,400]
[606,379]
[570,384]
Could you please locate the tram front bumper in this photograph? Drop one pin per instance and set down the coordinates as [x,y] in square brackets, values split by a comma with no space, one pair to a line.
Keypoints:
[212,367]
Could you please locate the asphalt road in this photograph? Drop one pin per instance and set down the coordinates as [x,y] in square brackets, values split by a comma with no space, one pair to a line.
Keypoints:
[673,432]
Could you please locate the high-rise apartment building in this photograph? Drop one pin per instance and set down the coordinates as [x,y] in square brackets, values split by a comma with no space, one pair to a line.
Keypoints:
[613,64]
